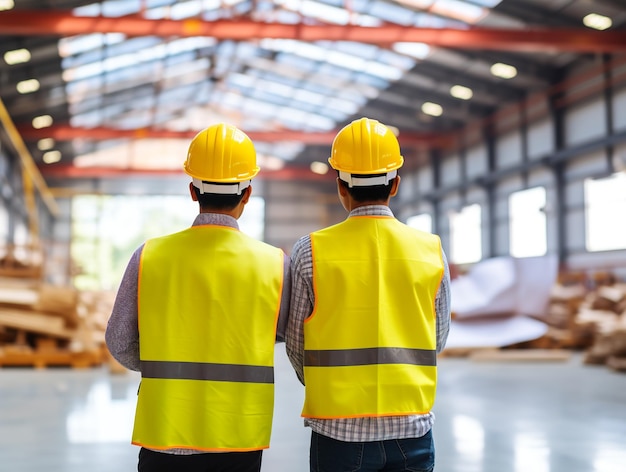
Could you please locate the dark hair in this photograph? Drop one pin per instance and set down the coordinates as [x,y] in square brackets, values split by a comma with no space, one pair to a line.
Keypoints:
[218,201]
[374,193]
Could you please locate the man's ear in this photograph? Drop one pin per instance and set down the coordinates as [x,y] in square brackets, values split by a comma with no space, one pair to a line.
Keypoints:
[246,194]
[341,188]
[394,186]
[192,191]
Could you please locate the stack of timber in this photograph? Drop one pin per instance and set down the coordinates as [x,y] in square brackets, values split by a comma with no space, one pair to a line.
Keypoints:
[21,261]
[588,313]
[45,325]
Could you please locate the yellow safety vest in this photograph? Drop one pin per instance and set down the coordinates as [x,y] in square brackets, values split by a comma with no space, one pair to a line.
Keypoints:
[209,298]
[370,343]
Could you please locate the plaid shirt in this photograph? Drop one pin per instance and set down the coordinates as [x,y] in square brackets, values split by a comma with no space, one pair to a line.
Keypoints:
[302,303]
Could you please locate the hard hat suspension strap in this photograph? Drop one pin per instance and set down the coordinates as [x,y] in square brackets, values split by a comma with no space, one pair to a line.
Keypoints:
[224,189]
[367,181]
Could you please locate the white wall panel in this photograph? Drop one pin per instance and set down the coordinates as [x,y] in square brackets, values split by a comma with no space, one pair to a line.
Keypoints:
[575,193]
[407,190]
[476,163]
[541,176]
[508,185]
[451,170]
[575,229]
[508,150]
[585,122]
[425,180]
[619,110]
[619,157]
[540,139]
[476,195]
[590,165]
[451,202]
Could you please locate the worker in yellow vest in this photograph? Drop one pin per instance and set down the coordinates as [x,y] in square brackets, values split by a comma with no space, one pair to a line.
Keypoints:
[198,313]
[370,310]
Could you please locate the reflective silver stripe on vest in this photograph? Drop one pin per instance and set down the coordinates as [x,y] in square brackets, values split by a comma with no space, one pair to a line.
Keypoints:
[369,356]
[207,371]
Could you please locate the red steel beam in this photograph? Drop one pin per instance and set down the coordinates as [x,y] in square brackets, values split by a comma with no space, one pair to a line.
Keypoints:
[68,171]
[67,133]
[64,23]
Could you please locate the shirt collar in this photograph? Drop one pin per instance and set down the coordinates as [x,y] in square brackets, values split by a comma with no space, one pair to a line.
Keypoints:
[369,210]
[216,219]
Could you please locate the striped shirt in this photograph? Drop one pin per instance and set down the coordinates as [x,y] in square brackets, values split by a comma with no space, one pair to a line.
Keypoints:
[301,306]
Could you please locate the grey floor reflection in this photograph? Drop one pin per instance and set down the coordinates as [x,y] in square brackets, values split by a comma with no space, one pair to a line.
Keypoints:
[516,417]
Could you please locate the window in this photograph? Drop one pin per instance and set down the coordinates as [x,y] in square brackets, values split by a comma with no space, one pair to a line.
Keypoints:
[465,235]
[423,222]
[106,231]
[527,223]
[605,200]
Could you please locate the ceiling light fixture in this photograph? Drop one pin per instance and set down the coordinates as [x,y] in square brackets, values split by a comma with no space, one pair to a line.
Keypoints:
[16,56]
[461,92]
[51,157]
[598,22]
[432,109]
[42,121]
[6,5]
[504,71]
[45,144]
[27,86]
[318,167]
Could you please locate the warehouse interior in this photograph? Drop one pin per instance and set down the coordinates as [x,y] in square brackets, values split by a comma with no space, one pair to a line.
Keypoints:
[511,117]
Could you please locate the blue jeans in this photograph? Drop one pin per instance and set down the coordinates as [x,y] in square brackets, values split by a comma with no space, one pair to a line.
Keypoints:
[394,455]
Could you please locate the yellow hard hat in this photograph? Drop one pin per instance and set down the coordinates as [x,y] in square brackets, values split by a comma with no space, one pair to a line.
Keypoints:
[365,146]
[221,153]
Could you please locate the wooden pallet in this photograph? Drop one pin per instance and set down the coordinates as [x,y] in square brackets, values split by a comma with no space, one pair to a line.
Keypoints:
[25,357]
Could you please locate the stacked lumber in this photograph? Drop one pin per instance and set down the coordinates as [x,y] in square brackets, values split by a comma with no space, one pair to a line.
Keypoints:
[44,325]
[588,315]
[21,261]
[585,312]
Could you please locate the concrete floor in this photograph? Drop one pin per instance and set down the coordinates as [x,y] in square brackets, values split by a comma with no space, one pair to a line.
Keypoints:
[491,417]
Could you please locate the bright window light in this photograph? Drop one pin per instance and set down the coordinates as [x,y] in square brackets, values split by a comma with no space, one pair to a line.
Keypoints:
[106,230]
[423,222]
[504,71]
[42,121]
[599,22]
[327,13]
[27,86]
[86,42]
[252,221]
[461,92]
[459,10]
[604,199]
[416,50]
[465,235]
[17,56]
[6,5]
[51,157]
[527,223]
[432,109]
